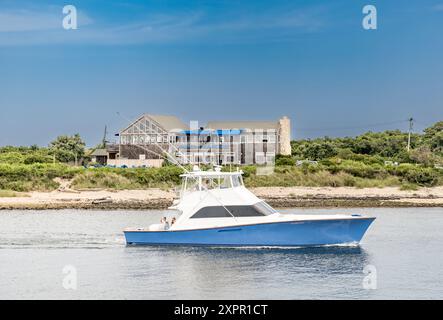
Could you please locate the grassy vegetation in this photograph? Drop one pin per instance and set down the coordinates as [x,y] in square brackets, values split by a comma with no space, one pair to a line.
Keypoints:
[290,176]
[355,162]
[345,173]
[11,194]
[118,178]
[38,177]
[348,174]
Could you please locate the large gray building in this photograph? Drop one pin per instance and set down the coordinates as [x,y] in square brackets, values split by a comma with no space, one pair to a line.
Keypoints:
[219,142]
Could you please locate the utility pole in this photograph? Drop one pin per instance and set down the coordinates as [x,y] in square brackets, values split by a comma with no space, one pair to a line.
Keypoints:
[104,137]
[411,124]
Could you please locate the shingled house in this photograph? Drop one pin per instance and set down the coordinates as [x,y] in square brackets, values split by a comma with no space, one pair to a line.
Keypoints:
[146,139]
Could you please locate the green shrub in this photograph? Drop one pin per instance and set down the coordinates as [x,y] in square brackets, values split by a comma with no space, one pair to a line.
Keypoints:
[38,176]
[37,158]
[101,179]
[249,170]
[128,178]
[422,177]
[11,158]
[284,161]
[408,186]
[360,169]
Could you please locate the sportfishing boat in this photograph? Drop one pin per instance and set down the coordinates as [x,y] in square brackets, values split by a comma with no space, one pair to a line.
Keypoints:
[215,208]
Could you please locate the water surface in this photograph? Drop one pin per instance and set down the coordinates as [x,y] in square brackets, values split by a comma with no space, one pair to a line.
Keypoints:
[404,245]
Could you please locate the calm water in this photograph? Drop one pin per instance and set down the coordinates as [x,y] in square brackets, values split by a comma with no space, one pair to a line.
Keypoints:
[404,245]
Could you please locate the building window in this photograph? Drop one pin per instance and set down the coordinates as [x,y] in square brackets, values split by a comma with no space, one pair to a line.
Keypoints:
[271,138]
[270,157]
[260,157]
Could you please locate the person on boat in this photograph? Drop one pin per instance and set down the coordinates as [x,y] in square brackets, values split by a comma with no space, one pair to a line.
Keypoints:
[165,223]
[173,221]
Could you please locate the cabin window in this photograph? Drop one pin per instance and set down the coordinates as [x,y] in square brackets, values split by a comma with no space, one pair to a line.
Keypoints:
[224,182]
[236,181]
[264,208]
[209,184]
[191,184]
[214,182]
[258,210]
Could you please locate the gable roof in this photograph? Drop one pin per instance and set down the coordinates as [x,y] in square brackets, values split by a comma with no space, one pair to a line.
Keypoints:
[168,122]
[99,152]
[242,125]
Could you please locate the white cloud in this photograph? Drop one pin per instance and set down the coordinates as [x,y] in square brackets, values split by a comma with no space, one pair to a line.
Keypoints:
[29,20]
[30,28]
[26,21]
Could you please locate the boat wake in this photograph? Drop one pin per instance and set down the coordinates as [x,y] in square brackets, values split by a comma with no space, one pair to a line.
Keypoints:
[353,244]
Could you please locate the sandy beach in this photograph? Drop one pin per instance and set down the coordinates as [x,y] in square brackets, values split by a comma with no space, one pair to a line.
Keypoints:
[276,196]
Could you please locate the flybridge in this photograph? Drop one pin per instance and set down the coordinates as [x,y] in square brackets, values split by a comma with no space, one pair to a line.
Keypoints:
[197,180]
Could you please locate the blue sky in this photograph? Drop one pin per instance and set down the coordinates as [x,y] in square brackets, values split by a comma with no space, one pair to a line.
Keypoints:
[218,60]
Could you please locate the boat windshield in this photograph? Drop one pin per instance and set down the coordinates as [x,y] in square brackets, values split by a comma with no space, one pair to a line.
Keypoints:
[259,209]
[191,184]
[264,208]
[208,183]
[237,181]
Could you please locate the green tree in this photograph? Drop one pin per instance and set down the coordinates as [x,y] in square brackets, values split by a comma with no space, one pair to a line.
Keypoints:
[318,151]
[433,137]
[68,148]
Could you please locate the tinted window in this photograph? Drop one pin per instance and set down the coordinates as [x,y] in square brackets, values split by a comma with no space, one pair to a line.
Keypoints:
[236,181]
[221,212]
[264,208]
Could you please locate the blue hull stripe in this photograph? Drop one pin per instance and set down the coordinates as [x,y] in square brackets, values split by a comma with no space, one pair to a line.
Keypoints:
[296,233]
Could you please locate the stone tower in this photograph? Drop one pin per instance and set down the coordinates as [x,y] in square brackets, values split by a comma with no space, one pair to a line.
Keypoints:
[284,128]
